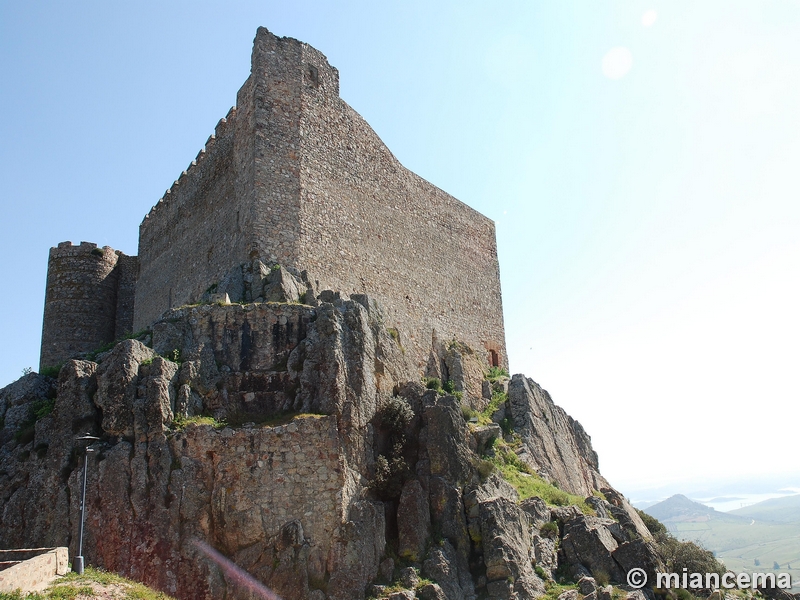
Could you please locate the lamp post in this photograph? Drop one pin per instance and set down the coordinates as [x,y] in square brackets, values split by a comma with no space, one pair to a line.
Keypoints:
[79,558]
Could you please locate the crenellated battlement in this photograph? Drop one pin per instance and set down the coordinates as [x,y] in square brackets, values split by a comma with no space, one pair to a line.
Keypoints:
[223,126]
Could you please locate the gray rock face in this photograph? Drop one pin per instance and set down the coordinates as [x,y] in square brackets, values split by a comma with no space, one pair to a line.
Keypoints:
[414,521]
[256,282]
[555,444]
[641,554]
[537,510]
[466,371]
[446,433]
[291,499]
[117,381]
[628,518]
[485,435]
[546,554]
[15,398]
[508,550]
[588,542]
[449,569]
[432,591]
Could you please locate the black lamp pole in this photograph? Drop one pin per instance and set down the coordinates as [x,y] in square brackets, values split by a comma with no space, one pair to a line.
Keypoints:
[79,559]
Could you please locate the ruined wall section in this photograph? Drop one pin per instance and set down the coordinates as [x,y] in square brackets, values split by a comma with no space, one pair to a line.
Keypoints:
[368,223]
[82,298]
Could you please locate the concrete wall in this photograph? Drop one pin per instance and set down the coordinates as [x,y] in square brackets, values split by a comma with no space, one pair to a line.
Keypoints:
[88,300]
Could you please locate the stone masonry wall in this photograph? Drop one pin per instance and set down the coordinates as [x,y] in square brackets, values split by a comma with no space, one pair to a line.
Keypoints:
[299,178]
[370,224]
[194,234]
[82,298]
[128,267]
[259,479]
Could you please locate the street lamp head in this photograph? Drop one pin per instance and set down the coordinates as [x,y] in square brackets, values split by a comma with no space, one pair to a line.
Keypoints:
[87,437]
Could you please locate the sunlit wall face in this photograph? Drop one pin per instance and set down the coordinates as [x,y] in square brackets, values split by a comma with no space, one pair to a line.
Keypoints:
[639,159]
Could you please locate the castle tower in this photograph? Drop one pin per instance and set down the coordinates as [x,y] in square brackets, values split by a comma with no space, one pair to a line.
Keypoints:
[293,175]
[88,300]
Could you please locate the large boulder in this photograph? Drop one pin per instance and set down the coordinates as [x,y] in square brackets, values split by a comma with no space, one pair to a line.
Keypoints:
[554,444]
[450,570]
[117,381]
[508,550]
[587,542]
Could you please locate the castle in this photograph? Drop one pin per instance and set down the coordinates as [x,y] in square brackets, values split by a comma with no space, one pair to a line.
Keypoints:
[291,176]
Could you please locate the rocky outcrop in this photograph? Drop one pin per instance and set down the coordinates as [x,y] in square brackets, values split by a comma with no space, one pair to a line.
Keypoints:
[555,445]
[297,441]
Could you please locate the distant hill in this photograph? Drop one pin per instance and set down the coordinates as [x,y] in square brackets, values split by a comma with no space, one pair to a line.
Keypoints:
[752,538]
[781,510]
[680,509]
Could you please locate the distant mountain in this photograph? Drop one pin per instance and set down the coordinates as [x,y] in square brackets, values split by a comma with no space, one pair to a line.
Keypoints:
[782,510]
[756,537]
[680,509]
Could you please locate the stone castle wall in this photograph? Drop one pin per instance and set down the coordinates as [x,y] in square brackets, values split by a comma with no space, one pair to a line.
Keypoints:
[299,178]
[88,300]
[371,225]
[263,478]
[195,232]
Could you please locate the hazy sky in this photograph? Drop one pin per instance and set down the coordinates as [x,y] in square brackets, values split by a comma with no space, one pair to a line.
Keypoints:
[640,160]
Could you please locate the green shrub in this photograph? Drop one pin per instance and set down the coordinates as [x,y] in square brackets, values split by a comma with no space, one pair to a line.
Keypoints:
[395,414]
[174,356]
[601,577]
[390,473]
[549,529]
[433,383]
[448,386]
[483,467]
[495,373]
[51,371]
[680,555]
[181,423]
[654,525]
[42,407]
[467,412]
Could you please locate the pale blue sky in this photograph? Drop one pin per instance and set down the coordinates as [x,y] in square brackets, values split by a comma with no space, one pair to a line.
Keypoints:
[647,225]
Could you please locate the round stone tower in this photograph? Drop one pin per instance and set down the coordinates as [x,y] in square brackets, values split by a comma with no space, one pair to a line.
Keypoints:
[80,302]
